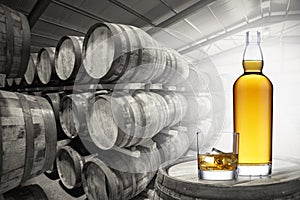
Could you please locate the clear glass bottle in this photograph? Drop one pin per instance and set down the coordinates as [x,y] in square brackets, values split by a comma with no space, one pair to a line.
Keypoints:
[253,106]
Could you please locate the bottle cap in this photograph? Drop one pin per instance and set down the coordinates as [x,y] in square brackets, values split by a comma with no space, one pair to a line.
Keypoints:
[253,37]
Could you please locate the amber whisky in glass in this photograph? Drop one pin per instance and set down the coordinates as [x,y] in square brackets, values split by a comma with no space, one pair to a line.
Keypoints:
[253,106]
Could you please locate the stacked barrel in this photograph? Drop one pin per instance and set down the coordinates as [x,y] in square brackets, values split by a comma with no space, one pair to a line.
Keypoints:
[28,138]
[109,53]
[120,123]
[110,142]
[15,45]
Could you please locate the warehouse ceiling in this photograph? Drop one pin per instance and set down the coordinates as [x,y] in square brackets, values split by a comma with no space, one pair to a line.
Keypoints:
[187,26]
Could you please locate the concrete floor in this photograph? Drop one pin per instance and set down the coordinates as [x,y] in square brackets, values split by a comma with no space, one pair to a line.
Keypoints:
[55,190]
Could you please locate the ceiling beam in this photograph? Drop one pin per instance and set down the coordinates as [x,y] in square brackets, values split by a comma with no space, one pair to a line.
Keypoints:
[131,11]
[37,10]
[260,22]
[181,15]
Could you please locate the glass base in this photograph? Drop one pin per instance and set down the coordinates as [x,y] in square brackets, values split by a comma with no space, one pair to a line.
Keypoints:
[217,175]
[255,170]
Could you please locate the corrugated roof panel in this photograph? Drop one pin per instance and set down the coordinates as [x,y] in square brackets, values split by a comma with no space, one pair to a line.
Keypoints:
[40,42]
[229,13]
[138,23]
[159,12]
[213,50]
[168,40]
[253,9]
[146,7]
[112,12]
[187,30]
[79,20]
[164,17]
[57,12]
[294,7]
[44,28]
[278,7]
[51,30]
[226,44]
[21,5]
[205,22]
[197,54]
[291,24]
[76,3]
[294,32]
[180,5]
[96,7]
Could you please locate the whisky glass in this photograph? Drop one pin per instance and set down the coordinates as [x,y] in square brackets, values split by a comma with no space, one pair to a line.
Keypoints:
[220,161]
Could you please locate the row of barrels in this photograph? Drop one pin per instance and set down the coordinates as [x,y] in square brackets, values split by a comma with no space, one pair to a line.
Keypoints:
[113,175]
[121,119]
[29,124]
[109,53]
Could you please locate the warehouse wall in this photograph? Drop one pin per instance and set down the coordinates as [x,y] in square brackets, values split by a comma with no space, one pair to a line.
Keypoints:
[281,56]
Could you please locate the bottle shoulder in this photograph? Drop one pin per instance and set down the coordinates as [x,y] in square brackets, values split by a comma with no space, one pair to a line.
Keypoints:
[253,78]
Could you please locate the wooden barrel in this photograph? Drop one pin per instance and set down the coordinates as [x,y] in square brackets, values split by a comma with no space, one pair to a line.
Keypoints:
[155,110]
[30,74]
[54,99]
[45,65]
[68,57]
[112,184]
[177,106]
[196,82]
[172,144]
[198,109]
[69,165]
[73,109]
[121,49]
[107,128]
[15,42]
[30,192]
[180,181]
[123,120]
[52,172]
[27,124]
[176,68]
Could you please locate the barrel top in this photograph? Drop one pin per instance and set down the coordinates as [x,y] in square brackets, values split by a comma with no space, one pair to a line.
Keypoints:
[99,50]
[101,123]
[284,169]
[181,180]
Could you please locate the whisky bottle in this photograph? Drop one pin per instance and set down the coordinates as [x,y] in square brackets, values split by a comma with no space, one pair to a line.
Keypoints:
[253,106]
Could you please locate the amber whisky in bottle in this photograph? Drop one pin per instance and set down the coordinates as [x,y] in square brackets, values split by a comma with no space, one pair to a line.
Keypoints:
[253,105]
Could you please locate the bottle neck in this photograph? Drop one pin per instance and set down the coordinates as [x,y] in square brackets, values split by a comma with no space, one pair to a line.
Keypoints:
[253,58]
